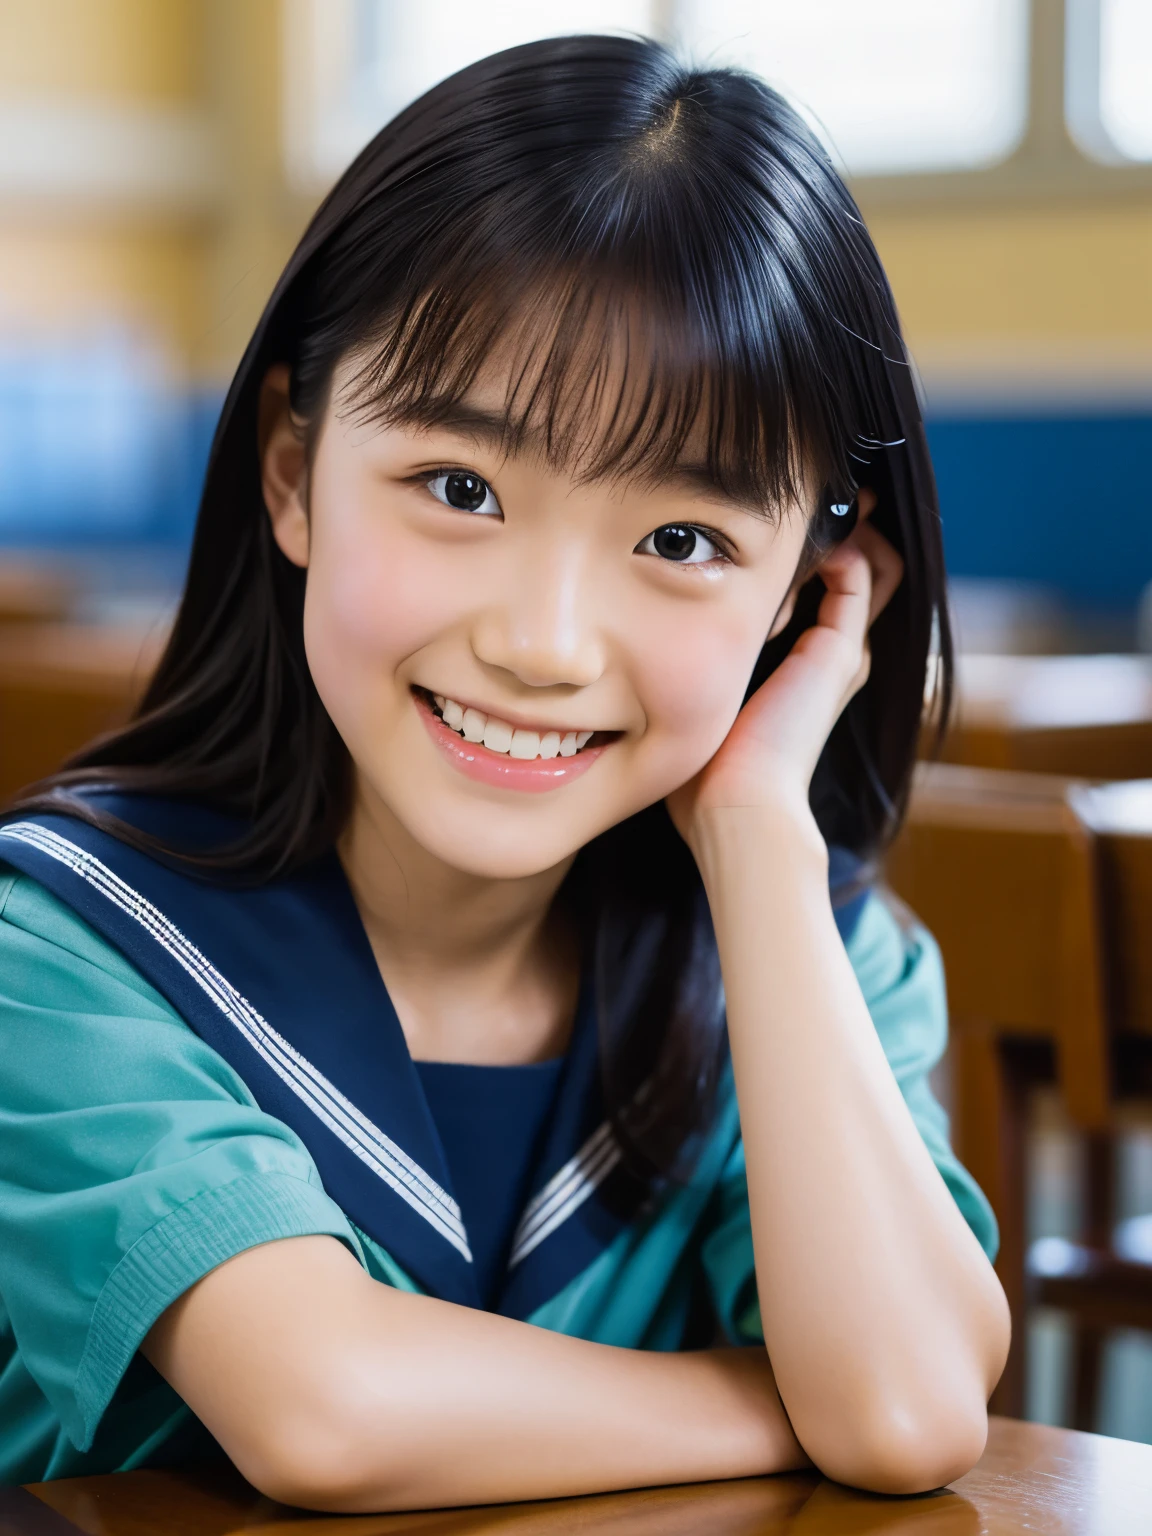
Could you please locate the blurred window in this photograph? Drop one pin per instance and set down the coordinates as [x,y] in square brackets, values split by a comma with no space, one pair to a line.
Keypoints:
[1109,77]
[892,85]
[356,63]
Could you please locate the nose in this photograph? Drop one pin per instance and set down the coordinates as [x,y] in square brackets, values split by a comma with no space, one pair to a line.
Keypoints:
[545,627]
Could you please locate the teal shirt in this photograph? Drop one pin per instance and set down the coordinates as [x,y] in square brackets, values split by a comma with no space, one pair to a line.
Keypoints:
[133,1160]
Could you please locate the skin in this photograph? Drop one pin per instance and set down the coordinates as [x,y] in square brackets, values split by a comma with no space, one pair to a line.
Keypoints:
[885,1326]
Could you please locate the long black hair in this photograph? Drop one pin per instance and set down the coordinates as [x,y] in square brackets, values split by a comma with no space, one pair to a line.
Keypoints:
[555,193]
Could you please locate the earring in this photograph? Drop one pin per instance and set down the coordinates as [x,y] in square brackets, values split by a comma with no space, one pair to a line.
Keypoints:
[844,514]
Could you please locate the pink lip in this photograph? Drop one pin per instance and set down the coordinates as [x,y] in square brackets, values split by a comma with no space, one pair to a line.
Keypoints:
[477,762]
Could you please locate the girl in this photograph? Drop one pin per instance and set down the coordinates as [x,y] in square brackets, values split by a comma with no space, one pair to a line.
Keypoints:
[473,928]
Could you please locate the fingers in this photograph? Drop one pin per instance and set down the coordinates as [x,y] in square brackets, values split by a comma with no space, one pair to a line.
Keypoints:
[847,602]
[843,573]
[886,564]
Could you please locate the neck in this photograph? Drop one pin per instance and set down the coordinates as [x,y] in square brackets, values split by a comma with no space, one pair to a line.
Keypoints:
[479,970]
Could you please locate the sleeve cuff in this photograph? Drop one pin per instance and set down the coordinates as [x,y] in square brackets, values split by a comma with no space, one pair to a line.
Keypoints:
[171,1256]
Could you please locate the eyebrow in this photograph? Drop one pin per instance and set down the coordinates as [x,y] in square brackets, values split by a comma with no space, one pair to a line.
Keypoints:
[488,429]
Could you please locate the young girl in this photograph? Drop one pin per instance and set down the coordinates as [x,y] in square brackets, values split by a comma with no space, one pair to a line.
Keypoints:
[473,929]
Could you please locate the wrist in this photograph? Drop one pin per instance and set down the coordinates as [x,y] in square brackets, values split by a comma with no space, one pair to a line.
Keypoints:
[781,835]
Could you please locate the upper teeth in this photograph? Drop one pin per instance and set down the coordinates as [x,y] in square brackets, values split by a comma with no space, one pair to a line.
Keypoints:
[498,736]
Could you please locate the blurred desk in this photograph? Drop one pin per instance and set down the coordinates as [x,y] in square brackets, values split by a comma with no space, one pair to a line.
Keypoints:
[62,684]
[29,594]
[1085,716]
[1046,1482]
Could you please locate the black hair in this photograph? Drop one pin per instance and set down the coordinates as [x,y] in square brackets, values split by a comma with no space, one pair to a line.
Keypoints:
[566,190]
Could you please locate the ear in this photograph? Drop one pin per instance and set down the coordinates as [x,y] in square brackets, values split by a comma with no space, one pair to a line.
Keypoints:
[283,466]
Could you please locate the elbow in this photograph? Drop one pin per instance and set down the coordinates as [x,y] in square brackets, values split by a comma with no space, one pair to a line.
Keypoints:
[305,1472]
[319,1460]
[897,1451]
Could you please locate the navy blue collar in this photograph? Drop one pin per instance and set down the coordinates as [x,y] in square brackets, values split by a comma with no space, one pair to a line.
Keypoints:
[280,980]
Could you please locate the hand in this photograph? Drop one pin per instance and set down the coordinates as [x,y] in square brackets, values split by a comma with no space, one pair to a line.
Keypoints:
[768,757]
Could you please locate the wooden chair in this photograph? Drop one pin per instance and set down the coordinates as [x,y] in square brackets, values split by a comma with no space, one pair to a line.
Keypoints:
[1039,890]
[1083,716]
[1001,868]
[1105,1280]
[60,685]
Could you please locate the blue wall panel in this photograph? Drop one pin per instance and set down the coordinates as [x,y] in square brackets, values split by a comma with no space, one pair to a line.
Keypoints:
[1061,500]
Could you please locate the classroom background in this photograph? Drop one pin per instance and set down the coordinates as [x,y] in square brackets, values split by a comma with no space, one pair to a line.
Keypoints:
[159,159]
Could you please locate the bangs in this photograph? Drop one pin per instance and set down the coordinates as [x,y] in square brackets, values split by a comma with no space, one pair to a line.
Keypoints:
[594,380]
[632,313]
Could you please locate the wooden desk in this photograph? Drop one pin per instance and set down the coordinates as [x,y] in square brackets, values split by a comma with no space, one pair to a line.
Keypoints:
[1084,716]
[1045,1482]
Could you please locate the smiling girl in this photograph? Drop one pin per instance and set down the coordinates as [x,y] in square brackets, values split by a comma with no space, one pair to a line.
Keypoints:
[452,1050]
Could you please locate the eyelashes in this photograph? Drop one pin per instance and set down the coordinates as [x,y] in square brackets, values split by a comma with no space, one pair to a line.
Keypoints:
[463,490]
[683,544]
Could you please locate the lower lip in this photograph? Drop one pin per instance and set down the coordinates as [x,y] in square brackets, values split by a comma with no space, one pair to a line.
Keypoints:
[475,761]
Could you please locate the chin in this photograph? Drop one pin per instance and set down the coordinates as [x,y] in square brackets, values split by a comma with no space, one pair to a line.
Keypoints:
[494,852]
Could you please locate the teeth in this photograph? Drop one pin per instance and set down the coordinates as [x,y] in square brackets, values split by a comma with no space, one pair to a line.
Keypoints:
[498,736]
[472,724]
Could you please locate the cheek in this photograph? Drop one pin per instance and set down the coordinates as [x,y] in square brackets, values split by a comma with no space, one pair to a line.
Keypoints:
[375,595]
[692,679]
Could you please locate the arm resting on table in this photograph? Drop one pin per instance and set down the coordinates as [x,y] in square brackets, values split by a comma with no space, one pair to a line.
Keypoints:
[330,1390]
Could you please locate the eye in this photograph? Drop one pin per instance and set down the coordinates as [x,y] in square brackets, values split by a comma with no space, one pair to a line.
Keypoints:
[464,492]
[682,544]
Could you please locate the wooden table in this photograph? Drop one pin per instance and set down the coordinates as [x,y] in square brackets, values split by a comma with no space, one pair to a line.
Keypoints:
[1046,1482]
[1084,716]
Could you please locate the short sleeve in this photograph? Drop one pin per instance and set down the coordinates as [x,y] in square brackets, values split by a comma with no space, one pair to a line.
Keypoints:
[133,1160]
[901,975]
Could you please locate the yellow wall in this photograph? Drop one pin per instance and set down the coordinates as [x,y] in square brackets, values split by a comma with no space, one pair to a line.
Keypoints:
[1066,284]
[197,278]
[1057,284]
[59,278]
[144,50]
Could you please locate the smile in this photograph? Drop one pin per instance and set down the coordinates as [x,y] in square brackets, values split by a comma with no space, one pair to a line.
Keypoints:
[504,756]
[504,739]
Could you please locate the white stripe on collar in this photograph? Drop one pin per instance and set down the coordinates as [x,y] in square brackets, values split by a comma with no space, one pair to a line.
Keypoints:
[370,1144]
[565,1192]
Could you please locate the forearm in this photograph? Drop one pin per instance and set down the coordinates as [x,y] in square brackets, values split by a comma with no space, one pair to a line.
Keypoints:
[384,1400]
[879,1307]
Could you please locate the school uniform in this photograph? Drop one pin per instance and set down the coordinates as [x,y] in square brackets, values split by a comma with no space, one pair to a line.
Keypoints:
[189,1068]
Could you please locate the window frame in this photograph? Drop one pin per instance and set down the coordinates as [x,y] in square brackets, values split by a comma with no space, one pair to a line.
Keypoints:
[1048,162]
